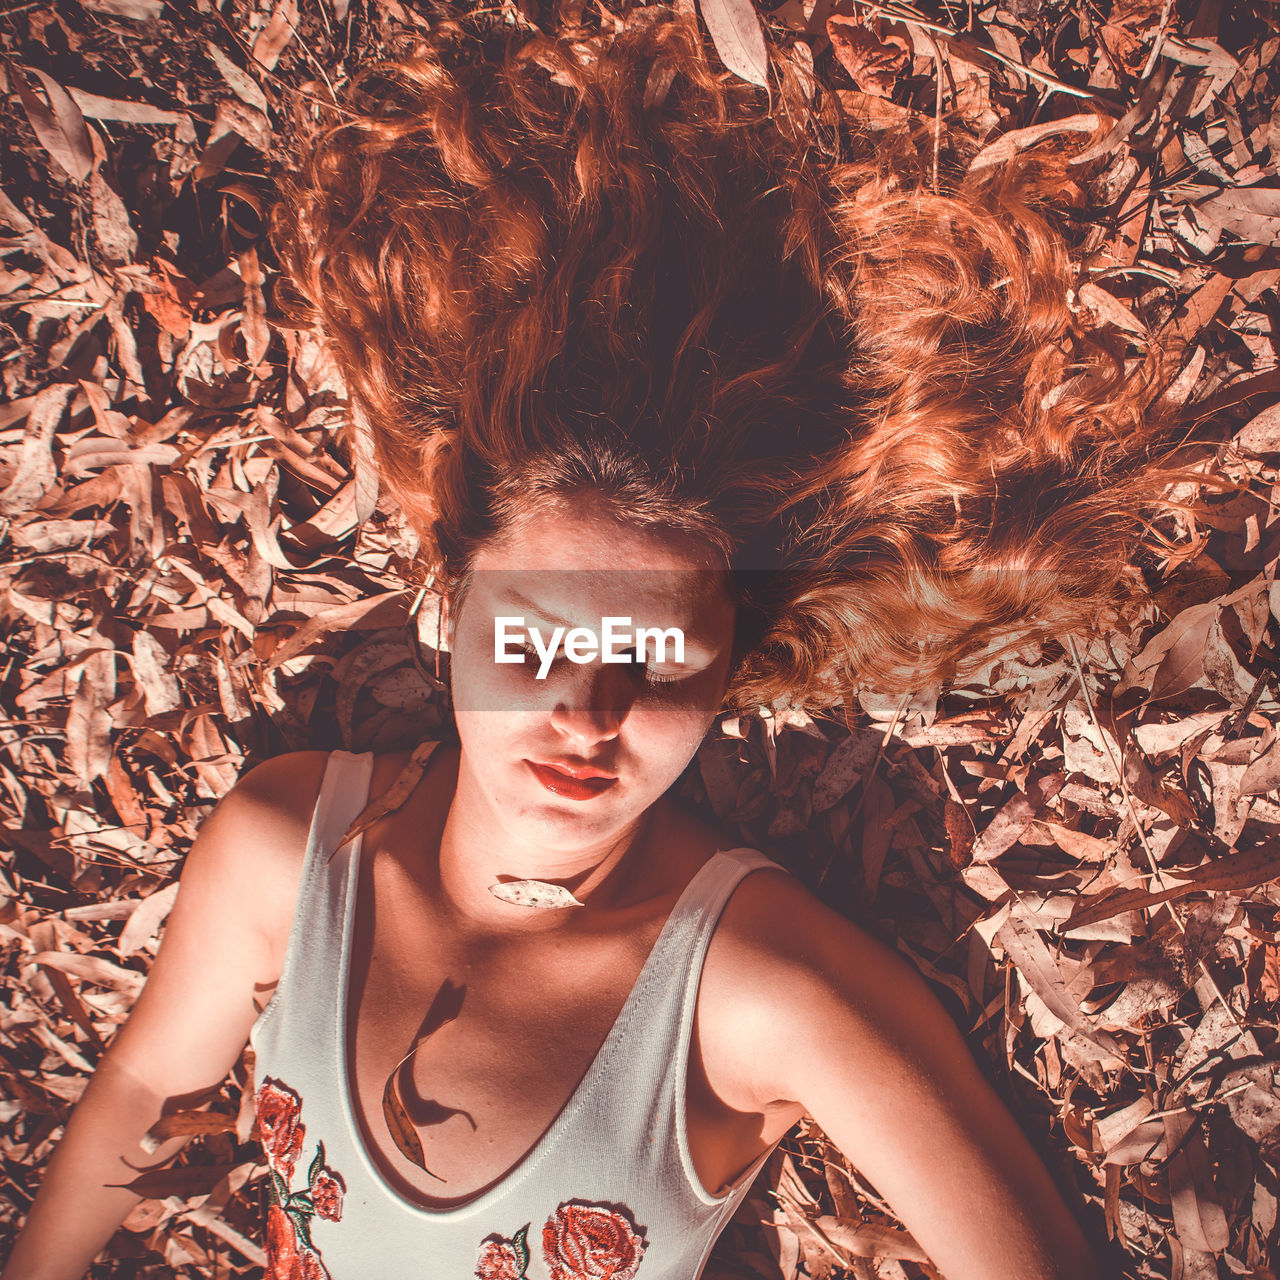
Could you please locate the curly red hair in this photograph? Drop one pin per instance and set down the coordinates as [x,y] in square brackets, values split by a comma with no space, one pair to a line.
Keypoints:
[544,270]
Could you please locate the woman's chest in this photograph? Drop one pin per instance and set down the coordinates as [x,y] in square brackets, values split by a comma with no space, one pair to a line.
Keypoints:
[461,1056]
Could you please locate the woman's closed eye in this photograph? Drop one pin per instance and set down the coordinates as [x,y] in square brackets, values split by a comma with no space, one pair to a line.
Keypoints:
[532,656]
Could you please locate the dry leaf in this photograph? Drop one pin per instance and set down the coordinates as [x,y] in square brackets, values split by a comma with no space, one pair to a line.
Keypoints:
[734,26]
[58,124]
[245,87]
[533,893]
[874,53]
[185,1124]
[402,1132]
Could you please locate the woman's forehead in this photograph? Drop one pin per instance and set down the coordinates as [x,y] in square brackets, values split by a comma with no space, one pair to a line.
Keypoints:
[694,600]
[585,531]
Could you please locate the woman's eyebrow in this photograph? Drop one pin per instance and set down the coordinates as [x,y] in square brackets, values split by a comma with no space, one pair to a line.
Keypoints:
[514,597]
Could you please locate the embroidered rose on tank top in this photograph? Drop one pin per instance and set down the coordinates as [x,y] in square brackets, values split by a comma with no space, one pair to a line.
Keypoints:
[290,1253]
[591,1242]
[280,1124]
[580,1241]
[503,1259]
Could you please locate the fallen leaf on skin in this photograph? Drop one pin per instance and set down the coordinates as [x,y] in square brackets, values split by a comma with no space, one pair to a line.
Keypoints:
[537,894]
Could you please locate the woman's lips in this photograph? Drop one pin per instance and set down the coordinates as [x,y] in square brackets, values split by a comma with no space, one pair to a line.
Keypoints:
[564,784]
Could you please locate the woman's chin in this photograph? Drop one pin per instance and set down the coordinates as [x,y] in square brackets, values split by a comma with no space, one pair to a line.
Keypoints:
[568,824]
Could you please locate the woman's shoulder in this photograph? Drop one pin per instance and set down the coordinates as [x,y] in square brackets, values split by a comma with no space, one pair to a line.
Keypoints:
[773,921]
[273,802]
[782,959]
[250,853]
[257,834]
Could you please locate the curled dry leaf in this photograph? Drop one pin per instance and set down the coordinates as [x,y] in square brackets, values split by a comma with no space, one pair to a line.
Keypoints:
[57,122]
[874,52]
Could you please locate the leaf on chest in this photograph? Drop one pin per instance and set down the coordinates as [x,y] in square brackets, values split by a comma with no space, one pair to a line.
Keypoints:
[534,893]
[402,1132]
[393,797]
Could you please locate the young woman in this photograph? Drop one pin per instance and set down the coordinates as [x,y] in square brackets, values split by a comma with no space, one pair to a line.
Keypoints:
[639,365]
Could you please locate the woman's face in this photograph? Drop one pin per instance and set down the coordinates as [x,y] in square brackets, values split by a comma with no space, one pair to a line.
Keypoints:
[555,708]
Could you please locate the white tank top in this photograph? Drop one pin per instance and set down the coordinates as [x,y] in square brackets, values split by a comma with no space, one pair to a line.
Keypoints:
[608,1192]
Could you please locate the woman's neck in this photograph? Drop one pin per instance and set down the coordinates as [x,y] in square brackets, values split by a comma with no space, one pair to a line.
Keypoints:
[478,850]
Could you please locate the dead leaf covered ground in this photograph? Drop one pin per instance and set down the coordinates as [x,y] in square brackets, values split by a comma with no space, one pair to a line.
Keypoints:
[1078,848]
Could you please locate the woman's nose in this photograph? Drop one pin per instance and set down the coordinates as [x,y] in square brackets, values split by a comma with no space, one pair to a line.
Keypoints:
[592,701]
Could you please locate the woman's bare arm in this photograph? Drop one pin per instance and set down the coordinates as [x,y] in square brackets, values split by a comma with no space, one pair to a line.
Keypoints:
[224,941]
[836,1022]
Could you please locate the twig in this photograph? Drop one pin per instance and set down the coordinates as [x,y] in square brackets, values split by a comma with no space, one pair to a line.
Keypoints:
[875,764]
[1117,765]
[936,54]
[1158,44]
[1142,835]
[914,20]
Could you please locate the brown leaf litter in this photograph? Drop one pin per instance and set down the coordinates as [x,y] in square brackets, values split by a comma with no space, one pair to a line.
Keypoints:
[1079,849]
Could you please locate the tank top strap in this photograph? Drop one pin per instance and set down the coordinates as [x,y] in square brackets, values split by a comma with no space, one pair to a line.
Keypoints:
[320,916]
[684,949]
[647,1063]
[698,912]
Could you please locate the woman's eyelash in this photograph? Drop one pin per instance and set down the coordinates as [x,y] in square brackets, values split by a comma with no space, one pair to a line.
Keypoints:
[652,677]
[532,655]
